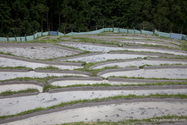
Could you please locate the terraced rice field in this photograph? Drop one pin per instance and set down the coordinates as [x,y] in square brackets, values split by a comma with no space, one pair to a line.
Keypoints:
[107,78]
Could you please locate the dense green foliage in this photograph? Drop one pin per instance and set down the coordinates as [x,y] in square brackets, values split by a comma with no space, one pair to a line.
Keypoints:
[25,17]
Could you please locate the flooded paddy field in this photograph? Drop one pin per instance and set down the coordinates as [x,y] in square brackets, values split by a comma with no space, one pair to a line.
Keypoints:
[112,81]
[104,57]
[105,77]
[139,62]
[8,62]
[92,48]
[105,48]
[11,75]
[128,37]
[19,104]
[146,42]
[171,73]
[158,51]
[110,111]
[36,51]
[17,87]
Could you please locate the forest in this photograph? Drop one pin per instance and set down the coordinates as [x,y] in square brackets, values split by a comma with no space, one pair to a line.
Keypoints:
[20,17]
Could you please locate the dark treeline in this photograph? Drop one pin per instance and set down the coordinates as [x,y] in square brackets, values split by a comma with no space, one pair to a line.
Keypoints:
[27,16]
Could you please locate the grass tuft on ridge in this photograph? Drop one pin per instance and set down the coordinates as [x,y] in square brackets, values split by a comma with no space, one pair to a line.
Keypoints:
[10,92]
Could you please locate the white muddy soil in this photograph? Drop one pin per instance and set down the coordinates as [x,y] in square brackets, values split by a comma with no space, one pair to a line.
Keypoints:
[92,48]
[104,57]
[97,48]
[17,87]
[76,82]
[150,43]
[111,112]
[32,74]
[158,50]
[15,105]
[177,73]
[139,63]
[6,62]
[37,52]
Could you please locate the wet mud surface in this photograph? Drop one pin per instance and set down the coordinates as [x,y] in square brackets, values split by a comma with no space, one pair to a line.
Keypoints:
[171,73]
[18,104]
[139,62]
[107,110]
[111,110]
[11,74]
[6,62]
[104,57]
[34,51]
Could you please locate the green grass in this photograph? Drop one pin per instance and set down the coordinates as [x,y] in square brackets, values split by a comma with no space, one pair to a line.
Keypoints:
[84,52]
[104,33]
[125,77]
[141,67]
[52,68]
[83,63]
[10,54]
[162,37]
[18,67]
[52,41]
[148,45]
[116,85]
[131,96]
[95,71]
[88,65]
[177,57]
[130,66]
[161,46]
[146,39]
[7,54]
[154,120]
[171,64]
[183,45]
[139,52]
[43,80]
[48,86]
[65,36]
[74,55]
[91,40]
[9,92]
[68,47]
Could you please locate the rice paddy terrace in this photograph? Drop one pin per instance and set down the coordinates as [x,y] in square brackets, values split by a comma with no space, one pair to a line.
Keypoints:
[107,78]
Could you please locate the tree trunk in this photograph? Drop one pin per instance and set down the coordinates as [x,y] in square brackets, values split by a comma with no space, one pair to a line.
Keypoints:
[103,24]
[59,15]
[96,25]
[64,30]
[47,16]
[59,21]
[51,23]
[159,28]
[143,25]
[42,25]
[152,27]
[112,26]
[47,21]
[181,28]
[127,29]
